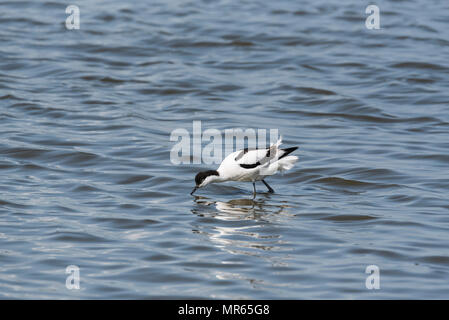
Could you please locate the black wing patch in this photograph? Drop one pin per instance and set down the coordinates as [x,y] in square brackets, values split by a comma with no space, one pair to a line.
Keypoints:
[258,163]
[250,166]
[287,151]
[268,156]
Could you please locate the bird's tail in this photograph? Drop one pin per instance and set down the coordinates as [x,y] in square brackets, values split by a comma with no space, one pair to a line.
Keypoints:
[279,159]
[282,153]
[286,163]
[285,152]
[277,144]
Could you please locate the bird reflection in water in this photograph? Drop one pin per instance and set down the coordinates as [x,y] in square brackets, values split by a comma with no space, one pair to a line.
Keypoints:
[244,227]
[237,209]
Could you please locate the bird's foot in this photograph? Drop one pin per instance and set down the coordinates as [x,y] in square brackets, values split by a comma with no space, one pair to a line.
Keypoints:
[270,189]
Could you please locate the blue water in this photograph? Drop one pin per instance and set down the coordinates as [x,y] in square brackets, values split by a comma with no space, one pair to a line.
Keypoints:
[85,123]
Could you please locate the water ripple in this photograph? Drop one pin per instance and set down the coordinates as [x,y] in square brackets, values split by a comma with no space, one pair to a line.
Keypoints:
[85,123]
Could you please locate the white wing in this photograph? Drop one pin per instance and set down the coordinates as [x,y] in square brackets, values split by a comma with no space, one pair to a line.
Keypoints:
[250,159]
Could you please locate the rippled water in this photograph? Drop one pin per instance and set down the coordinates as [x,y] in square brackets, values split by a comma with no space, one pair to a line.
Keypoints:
[85,123]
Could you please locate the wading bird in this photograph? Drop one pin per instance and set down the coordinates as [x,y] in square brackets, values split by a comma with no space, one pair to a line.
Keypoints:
[249,165]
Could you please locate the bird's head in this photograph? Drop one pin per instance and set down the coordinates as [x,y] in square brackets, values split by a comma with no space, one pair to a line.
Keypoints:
[203,178]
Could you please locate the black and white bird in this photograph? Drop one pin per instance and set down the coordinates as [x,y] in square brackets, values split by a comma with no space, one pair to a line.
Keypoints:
[249,165]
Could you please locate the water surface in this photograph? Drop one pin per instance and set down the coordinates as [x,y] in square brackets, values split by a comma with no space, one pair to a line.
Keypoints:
[85,123]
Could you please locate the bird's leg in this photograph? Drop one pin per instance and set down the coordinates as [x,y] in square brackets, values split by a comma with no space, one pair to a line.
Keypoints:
[254,190]
[270,190]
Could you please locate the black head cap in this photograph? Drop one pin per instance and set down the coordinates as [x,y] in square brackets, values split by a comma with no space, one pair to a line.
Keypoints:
[199,178]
